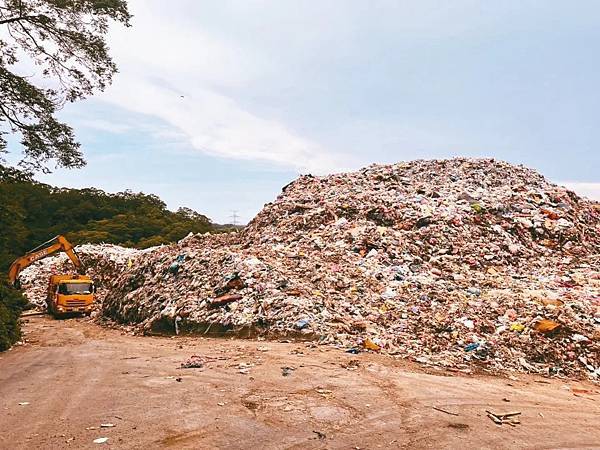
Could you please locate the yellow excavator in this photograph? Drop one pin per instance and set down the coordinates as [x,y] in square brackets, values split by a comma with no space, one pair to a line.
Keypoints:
[67,294]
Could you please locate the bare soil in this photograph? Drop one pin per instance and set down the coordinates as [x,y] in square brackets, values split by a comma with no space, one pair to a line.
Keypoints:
[76,375]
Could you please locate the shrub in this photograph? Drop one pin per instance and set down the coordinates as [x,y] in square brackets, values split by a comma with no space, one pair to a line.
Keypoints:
[12,303]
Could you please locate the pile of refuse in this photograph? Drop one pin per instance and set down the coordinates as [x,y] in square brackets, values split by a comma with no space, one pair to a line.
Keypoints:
[456,263]
[462,264]
[101,261]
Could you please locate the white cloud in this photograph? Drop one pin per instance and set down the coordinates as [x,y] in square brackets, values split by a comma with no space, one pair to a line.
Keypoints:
[216,125]
[590,190]
[179,73]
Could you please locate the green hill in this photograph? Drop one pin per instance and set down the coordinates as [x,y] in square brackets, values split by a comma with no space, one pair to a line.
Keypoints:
[33,212]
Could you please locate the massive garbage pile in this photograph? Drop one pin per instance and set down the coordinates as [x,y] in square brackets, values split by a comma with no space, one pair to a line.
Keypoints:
[456,263]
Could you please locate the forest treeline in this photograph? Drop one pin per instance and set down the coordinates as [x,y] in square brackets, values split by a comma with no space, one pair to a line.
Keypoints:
[33,212]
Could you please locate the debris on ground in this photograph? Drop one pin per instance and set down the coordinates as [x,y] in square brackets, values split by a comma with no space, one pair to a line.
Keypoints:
[194,362]
[353,364]
[444,411]
[325,393]
[287,371]
[320,435]
[511,418]
[244,368]
[461,264]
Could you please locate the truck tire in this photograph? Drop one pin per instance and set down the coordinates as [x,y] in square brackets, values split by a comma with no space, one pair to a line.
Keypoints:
[51,310]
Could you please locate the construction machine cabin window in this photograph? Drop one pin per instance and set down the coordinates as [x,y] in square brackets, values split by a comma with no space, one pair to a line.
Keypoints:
[75,288]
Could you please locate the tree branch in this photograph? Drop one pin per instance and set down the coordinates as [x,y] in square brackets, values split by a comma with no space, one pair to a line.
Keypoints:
[19,18]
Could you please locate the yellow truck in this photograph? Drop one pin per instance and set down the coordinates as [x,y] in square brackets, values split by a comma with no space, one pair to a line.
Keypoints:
[70,294]
[67,294]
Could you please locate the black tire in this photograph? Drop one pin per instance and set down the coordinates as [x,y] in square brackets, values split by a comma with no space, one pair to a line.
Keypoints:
[50,309]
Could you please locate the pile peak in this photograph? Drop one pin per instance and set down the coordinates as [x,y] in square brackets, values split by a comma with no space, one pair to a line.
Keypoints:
[444,200]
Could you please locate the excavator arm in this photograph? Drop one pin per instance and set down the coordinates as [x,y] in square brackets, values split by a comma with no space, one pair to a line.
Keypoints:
[54,245]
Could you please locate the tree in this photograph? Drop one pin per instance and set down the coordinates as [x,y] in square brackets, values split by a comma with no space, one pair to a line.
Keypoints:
[33,212]
[66,40]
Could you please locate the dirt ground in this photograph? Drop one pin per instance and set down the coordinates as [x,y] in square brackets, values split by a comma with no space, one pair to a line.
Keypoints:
[72,375]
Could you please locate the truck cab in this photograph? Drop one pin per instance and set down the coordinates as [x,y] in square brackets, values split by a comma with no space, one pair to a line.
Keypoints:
[69,294]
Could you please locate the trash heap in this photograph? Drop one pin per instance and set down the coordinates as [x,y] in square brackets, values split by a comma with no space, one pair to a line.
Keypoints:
[455,263]
[101,261]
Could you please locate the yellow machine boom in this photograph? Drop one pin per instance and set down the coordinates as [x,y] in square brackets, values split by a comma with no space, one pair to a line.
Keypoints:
[54,245]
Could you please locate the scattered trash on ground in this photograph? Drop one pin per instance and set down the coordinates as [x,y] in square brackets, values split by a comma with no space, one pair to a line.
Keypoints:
[194,362]
[325,393]
[444,411]
[286,371]
[320,435]
[510,418]
[244,368]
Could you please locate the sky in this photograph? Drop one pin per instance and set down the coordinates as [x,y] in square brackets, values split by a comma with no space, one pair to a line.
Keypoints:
[218,104]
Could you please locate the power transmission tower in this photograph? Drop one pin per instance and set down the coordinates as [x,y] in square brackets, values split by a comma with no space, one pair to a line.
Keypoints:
[234,217]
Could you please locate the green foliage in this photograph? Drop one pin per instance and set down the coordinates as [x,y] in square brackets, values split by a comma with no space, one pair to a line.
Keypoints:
[65,39]
[11,305]
[32,213]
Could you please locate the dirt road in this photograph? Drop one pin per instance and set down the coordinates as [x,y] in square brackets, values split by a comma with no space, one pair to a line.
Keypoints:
[74,376]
